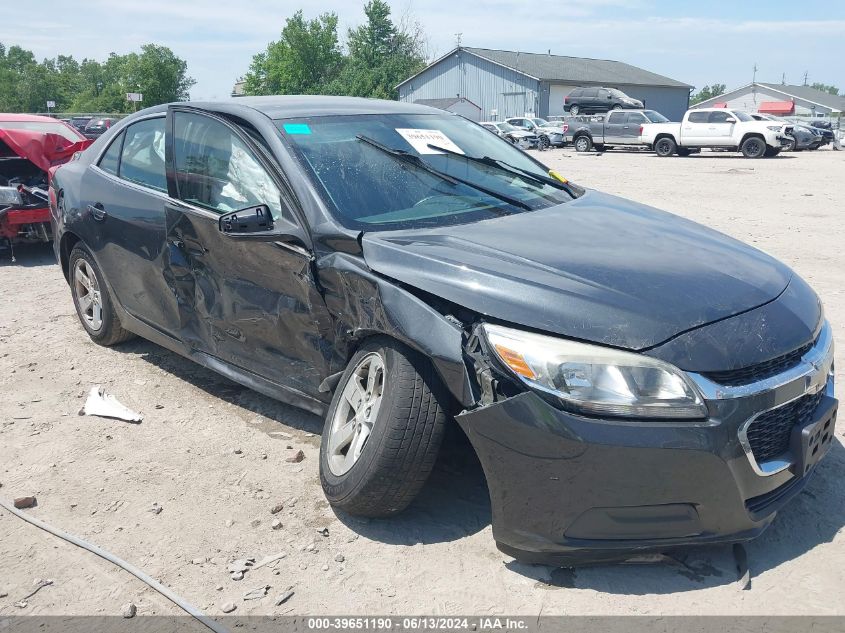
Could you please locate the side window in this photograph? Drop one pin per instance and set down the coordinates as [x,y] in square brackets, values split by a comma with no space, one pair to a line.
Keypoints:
[604,94]
[590,93]
[718,117]
[617,117]
[636,117]
[698,117]
[110,161]
[216,170]
[142,158]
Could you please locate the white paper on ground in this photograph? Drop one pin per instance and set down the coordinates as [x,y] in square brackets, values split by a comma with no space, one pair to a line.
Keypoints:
[103,405]
[420,139]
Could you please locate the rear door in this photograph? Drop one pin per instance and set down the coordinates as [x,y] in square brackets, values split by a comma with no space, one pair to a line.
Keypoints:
[694,129]
[614,127]
[251,303]
[125,194]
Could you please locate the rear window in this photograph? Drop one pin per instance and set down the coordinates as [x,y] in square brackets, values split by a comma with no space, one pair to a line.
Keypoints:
[698,117]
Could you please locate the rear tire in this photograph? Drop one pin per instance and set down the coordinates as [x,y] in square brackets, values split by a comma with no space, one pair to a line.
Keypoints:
[665,147]
[94,305]
[378,469]
[583,144]
[574,110]
[753,147]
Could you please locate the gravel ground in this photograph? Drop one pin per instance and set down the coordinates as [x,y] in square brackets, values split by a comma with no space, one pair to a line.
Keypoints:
[212,455]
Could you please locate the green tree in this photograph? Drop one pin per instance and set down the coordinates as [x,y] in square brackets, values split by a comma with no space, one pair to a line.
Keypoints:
[381,54]
[305,59]
[707,92]
[90,86]
[826,88]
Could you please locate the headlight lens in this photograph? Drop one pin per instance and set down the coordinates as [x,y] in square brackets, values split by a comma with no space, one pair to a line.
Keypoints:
[597,380]
[774,128]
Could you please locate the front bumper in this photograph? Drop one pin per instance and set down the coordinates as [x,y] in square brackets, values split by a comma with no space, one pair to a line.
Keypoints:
[567,489]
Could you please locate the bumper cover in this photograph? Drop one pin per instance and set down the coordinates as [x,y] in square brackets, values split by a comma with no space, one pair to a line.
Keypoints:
[567,489]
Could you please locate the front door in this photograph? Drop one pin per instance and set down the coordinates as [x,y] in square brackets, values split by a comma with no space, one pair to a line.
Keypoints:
[251,303]
[125,194]
[630,134]
[720,128]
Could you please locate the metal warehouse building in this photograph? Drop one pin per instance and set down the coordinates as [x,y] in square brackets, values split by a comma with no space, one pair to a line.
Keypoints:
[507,83]
[779,99]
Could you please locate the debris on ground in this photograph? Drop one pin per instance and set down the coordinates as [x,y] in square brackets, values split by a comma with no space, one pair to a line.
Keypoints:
[237,568]
[282,598]
[277,508]
[276,524]
[269,559]
[339,558]
[129,610]
[228,607]
[296,458]
[104,405]
[156,509]
[256,594]
[323,531]
[22,503]
[742,570]
[39,585]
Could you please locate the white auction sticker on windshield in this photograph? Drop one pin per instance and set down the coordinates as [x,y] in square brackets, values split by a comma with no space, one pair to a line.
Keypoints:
[421,139]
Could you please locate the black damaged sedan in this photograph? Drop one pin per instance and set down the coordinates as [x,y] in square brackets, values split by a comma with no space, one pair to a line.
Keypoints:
[630,380]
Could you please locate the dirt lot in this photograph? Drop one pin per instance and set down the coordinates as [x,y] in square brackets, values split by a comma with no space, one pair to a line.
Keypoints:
[212,455]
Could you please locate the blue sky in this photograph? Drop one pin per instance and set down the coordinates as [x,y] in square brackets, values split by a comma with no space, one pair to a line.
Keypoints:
[701,42]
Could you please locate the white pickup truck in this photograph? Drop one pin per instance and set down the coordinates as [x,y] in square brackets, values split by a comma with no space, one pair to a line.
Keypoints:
[718,128]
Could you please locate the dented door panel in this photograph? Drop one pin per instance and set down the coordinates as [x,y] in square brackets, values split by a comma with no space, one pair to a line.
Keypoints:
[253,304]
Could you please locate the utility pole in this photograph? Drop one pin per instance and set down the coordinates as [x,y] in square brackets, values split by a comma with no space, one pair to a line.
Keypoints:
[754,74]
[805,77]
[458,40]
[783,79]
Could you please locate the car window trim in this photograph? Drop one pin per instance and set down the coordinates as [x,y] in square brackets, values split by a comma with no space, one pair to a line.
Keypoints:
[129,121]
[260,154]
[122,135]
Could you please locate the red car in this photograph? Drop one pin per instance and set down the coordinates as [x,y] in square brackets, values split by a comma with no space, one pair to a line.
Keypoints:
[29,147]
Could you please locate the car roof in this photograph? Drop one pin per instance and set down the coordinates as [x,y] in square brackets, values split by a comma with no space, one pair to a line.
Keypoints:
[300,106]
[8,117]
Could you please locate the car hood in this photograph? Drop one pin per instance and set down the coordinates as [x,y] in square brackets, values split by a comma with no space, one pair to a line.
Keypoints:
[45,150]
[599,268]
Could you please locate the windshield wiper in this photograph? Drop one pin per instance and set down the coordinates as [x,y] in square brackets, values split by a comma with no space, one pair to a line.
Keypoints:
[416,161]
[507,167]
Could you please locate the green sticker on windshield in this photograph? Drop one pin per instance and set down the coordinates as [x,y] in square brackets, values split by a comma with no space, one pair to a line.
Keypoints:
[297,128]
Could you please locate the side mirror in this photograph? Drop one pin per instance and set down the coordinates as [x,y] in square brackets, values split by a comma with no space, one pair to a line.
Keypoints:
[250,220]
[730,120]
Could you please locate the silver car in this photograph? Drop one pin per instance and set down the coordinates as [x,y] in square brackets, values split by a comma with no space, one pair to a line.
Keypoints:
[549,133]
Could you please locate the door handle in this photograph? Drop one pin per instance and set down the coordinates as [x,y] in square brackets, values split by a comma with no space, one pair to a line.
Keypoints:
[97,211]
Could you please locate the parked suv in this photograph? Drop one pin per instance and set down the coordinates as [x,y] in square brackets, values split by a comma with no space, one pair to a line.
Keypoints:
[598,99]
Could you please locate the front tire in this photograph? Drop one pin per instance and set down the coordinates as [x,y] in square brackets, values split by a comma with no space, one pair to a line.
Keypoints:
[665,147]
[543,143]
[753,147]
[383,430]
[94,305]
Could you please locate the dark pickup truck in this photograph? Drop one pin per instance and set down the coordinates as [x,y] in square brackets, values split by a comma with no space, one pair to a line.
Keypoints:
[619,127]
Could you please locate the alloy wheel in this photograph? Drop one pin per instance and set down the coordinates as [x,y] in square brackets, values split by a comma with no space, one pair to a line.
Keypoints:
[356,413]
[88,297]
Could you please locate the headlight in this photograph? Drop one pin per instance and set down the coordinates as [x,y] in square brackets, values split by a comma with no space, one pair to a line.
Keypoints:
[774,128]
[597,380]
